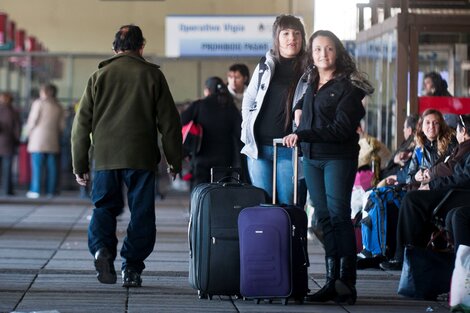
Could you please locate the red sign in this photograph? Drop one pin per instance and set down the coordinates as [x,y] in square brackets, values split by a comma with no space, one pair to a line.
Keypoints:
[20,40]
[3,28]
[445,104]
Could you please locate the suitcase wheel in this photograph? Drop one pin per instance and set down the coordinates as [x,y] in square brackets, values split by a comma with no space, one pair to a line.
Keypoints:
[284,301]
[257,301]
[201,295]
[209,297]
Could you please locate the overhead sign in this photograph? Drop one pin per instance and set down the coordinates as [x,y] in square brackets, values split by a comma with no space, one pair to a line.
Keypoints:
[196,36]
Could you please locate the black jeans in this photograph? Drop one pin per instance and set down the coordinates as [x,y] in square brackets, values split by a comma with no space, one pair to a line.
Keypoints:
[415,216]
[458,225]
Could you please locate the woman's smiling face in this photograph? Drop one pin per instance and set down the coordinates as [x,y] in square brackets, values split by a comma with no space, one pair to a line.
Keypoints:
[324,53]
[431,126]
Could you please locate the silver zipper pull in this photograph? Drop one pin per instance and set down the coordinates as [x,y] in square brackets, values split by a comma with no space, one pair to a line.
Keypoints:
[213,240]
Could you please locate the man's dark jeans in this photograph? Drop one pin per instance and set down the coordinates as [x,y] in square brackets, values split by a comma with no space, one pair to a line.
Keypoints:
[107,196]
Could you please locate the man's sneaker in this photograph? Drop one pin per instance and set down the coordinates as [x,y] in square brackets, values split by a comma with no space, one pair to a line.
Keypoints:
[131,278]
[32,195]
[104,265]
[392,265]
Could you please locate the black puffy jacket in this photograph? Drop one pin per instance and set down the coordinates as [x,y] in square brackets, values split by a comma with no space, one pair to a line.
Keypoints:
[329,121]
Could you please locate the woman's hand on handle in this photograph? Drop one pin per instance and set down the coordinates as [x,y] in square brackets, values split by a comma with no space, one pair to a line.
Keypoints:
[290,140]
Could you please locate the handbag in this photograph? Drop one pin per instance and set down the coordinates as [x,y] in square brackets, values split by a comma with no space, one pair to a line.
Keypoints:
[426,273]
[192,138]
[459,300]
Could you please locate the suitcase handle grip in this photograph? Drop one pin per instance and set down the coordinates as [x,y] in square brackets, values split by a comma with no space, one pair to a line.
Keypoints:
[276,142]
[221,169]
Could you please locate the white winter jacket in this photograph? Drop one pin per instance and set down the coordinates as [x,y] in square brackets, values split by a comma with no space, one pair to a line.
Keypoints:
[253,100]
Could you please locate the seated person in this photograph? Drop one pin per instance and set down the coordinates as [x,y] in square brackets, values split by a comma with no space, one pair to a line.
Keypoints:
[435,86]
[434,142]
[371,150]
[458,225]
[396,170]
[414,227]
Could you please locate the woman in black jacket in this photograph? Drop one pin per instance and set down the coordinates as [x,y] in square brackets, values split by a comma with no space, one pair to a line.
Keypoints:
[329,115]
[221,124]
[434,142]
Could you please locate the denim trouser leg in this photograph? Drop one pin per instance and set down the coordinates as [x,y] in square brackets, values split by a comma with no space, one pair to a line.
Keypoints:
[141,231]
[108,200]
[330,184]
[261,172]
[51,183]
[36,169]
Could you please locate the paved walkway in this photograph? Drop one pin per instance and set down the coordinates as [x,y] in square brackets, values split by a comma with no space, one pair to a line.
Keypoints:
[45,267]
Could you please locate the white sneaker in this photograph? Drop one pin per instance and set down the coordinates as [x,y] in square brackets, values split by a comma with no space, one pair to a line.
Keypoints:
[32,195]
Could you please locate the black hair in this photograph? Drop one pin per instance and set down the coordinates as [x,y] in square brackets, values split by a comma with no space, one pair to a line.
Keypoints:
[282,22]
[240,67]
[50,89]
[439,84]
[243,69]
[128,38]
[345,65]
[216,87]
[411,121]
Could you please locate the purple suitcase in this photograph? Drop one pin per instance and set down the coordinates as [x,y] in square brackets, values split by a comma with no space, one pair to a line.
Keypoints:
[273,251]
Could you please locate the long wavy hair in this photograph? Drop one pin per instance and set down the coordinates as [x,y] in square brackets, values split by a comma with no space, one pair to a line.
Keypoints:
[345,65]
[439,85]
[444,137]
[281,23]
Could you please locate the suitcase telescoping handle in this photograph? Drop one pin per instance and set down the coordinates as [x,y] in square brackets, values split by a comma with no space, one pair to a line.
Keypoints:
[225,171]
[276,142]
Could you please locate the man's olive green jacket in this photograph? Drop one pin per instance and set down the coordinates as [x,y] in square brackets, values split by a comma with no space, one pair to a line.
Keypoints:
[126,104]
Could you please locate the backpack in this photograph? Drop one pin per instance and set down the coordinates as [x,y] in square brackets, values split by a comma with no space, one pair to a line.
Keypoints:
[379,221]
[262,67]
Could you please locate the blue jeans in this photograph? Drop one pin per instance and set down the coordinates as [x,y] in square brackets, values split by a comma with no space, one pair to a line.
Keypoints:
[261,173]
[108,199]
[330,184]
[37,165]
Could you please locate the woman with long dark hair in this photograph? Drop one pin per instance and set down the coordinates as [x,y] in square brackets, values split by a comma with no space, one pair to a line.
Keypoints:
[267,107]
[328,116]
[220,121]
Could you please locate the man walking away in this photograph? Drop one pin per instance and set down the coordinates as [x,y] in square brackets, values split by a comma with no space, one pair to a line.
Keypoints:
[125,105]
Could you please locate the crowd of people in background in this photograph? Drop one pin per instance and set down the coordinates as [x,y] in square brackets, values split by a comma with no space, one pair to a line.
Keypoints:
[307,92]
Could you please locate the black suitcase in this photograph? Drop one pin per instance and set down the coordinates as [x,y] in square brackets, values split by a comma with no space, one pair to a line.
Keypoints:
[273,249]
[214,264]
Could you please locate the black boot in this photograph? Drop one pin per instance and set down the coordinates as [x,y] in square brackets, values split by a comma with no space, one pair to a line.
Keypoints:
[345,286]
[328,291]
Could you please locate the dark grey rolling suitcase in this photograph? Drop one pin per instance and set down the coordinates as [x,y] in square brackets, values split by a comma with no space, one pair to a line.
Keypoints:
[214,264]
[273,250]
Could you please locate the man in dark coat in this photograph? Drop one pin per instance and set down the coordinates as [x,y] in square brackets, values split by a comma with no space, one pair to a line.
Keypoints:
[126,104]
